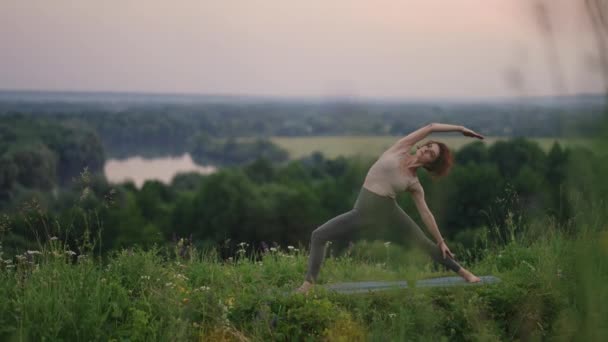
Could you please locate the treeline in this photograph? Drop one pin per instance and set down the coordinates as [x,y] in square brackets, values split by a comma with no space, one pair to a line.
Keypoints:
[494,187]
[172,127]
[42,154]
[39,154]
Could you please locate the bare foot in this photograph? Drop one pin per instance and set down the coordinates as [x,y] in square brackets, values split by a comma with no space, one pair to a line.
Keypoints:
[468,276]
[305,287]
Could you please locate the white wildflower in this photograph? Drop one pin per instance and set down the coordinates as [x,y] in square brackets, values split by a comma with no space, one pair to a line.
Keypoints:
[145,277]
[70,253]
[33,252]
[53,238]
[273,249]
[180,276]
[386,244]
[290,247]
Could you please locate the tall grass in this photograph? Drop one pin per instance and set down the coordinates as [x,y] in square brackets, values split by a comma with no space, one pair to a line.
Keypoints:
[553,287]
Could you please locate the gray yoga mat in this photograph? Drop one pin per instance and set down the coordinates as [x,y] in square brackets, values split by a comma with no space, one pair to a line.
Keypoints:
[372,286]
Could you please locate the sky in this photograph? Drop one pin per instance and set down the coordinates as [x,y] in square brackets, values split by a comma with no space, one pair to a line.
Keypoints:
[288,48]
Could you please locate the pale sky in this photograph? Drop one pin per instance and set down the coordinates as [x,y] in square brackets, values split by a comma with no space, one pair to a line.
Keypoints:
[379,48]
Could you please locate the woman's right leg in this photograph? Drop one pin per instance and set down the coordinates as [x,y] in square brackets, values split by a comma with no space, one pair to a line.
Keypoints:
[335,227]
[423,242]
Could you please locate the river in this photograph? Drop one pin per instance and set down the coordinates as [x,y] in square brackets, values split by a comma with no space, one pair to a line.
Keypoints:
[139,170]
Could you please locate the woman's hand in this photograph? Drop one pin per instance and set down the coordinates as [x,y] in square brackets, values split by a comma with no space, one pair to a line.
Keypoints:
[445,251]
[469,133]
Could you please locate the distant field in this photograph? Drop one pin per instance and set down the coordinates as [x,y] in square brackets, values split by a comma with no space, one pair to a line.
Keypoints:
[335,146]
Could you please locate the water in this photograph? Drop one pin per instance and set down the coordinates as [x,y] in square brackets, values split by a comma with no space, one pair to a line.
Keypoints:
[140,170]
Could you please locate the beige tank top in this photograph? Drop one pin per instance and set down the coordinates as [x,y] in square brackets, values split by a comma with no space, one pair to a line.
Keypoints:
[386,178]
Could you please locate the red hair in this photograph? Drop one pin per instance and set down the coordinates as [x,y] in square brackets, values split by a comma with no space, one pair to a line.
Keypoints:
[441,166]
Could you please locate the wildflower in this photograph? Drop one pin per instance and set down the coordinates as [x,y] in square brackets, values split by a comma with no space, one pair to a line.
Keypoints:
[180,276]
[54,238]
[103,280]
[70,253]
[386,244]
[290,248]
[203,288]
[185,300]
[169,284]
[296,250]
[273,249]
[145,277]
[559,272]
[33,252]
[243,244]
[392,315]
[20,257]
[230,302]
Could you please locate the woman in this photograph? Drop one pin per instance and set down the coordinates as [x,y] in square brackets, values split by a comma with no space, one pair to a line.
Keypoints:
[393,172]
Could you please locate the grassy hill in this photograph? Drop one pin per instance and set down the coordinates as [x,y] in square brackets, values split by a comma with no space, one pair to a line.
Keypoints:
[553,288]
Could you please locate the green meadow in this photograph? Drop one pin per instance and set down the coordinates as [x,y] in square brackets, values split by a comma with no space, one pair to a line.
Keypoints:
[334,146]
[553,288]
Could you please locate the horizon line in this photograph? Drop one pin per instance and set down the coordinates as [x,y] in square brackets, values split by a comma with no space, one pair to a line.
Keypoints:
[281,98]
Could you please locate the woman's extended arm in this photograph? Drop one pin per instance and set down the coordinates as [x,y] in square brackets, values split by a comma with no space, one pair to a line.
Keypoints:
[425,213]
[421,133]
[428,219]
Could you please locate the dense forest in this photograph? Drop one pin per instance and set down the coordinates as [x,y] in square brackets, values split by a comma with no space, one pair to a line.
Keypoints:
[258,201]
[161,125]
[54,162]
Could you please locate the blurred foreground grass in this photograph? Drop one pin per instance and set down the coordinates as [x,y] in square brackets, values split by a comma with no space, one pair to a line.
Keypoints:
[553,288]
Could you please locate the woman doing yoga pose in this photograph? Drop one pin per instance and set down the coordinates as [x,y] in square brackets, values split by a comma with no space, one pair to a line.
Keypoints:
[394,172]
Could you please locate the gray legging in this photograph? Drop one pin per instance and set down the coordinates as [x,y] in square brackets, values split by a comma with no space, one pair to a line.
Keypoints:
[370,209]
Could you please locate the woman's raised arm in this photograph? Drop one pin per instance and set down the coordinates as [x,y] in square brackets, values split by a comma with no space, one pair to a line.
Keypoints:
[421,133]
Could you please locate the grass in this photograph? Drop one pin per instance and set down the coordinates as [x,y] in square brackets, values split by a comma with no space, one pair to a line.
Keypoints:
[553,288]
[334,146]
